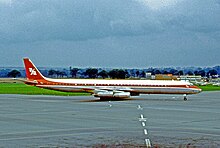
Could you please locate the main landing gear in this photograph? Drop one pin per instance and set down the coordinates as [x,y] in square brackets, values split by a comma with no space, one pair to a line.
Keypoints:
[185,97]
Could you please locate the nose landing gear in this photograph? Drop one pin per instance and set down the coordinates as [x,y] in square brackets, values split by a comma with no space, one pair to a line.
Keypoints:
[185,97]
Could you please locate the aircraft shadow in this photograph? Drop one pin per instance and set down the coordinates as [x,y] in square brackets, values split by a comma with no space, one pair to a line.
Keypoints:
[110,99]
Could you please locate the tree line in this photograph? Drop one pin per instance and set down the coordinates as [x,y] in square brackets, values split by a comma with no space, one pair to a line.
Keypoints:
[118,73]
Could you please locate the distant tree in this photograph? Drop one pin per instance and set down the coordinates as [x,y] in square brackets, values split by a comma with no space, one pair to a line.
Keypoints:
[113,73]
[189,73]
[202,73]
[173,71]
[196,72]
[180,73]
[63,73]
[92,72]
[132,73]
[14,73]
[117,74]
[152,71]
[73,72]
[157,71]
[212,72]
[165,72]
[51,72]
[143,74]
[121,74]
[137,73]
[217,68]
[103,74]
[83,74]
[58,73]
[127,75]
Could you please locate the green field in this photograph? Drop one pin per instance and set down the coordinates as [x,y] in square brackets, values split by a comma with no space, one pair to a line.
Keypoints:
[20,88]
[210,88]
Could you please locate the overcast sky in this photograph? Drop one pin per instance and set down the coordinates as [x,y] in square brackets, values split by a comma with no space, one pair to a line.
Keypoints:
[110,33]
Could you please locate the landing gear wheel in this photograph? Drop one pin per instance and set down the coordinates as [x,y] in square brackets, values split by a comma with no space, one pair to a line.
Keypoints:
[185,97]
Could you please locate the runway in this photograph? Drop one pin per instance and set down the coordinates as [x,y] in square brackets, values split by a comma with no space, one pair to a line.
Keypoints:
[148,120]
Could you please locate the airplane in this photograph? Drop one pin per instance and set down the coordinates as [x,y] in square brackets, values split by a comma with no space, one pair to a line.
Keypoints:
[108,89]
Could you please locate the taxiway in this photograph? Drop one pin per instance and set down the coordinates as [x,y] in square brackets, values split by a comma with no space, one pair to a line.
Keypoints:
[148,120]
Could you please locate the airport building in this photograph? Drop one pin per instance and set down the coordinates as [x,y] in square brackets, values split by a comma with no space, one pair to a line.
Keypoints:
[149,76]
[191,78]
[165,77]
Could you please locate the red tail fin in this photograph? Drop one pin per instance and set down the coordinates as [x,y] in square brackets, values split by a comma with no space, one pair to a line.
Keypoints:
[32,73]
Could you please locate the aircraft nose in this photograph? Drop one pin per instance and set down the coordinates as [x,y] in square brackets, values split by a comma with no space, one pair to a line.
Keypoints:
[198,90]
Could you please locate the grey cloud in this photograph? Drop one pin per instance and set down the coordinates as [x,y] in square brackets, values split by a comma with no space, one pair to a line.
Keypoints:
[35,20]
[195,16]
[26,20]
[125,33]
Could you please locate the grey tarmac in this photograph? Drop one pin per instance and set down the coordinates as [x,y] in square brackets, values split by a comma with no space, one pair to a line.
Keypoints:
[82,121]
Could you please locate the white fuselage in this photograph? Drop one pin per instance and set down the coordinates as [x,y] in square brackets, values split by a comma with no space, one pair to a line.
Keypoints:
[133,86]
[107,88]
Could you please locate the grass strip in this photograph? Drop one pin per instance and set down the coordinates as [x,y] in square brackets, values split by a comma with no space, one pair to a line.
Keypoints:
[20,88]
[210,88]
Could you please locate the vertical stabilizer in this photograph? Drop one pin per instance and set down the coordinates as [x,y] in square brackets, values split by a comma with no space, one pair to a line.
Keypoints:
[32,73]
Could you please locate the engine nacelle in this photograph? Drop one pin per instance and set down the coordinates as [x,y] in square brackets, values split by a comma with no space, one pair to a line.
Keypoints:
[111,94]
[103,93]
[122,95]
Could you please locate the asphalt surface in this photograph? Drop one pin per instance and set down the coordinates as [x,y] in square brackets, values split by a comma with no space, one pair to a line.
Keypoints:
[153,120]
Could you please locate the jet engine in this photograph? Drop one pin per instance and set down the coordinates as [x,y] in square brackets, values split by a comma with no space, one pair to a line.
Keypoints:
[111,94]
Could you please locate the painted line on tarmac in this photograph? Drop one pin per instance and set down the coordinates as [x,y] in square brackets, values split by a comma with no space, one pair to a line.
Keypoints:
[148,144]
[142,118]
[145,131]
[109,103]
[139,107]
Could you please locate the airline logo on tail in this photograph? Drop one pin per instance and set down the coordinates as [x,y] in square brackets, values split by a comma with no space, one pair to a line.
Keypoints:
[32,71]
